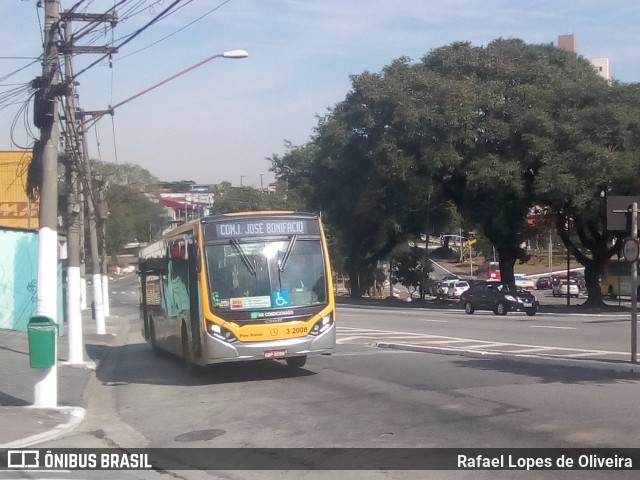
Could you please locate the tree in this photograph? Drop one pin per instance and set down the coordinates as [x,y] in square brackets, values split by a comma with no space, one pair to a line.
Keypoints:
[594,156]
[245,199]
[496,130]
[412,270]
[131,215]
[124,174]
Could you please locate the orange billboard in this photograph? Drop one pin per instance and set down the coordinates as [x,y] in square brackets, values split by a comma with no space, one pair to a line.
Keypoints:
[16,209]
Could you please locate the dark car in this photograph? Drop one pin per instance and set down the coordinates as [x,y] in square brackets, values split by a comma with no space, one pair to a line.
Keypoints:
[543,283]
[579,278]
[500,298]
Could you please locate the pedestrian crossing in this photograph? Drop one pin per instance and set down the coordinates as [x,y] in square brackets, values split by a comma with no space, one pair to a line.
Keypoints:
[376,338]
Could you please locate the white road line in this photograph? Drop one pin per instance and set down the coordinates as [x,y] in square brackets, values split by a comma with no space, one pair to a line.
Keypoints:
[551,326]
[347,339]
[530,350]
[585,354]
[425,339]
[435,342]
[487,345]
[385,334]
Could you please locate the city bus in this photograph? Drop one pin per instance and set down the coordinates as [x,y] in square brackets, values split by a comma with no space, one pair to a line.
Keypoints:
[616,279]
[242,286]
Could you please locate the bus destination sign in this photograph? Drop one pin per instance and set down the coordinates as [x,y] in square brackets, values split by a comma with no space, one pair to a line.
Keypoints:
[266,227]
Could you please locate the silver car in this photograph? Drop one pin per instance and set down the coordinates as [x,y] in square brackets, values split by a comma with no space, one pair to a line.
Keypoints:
[561,287]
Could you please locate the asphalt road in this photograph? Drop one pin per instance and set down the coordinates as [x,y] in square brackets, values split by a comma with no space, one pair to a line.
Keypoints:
[364,396]
[605,336]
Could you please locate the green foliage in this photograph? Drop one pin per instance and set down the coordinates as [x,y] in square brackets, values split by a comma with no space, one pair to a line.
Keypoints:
[181,186]
[473,135]
[126,174]
[411,269]
[132,216]
[246,199]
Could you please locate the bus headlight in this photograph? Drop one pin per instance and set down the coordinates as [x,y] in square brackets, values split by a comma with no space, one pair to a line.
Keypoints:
[221,333]
[321,325]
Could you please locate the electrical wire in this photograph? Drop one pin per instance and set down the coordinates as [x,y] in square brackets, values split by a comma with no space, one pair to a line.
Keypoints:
[131,37]
[177,31]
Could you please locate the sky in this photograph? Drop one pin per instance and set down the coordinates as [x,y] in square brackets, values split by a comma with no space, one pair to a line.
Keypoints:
[222,120]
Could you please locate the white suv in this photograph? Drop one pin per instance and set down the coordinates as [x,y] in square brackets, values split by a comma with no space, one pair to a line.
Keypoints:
[560,288]
[456,288]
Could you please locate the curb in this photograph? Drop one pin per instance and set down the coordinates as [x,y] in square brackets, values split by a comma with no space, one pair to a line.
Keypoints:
[76,416]
[533,359]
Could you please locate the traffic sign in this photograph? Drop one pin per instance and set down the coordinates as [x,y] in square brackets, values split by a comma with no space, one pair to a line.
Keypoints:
[631,250]
[619,212]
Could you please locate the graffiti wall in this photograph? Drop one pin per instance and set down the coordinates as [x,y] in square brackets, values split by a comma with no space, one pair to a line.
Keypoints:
[19,279]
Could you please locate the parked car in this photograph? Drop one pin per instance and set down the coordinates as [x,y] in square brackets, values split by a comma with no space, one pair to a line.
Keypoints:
[500,298]
[579,279]
[443,288]
[543,283]
[562,285]
[457,288]
[524,282]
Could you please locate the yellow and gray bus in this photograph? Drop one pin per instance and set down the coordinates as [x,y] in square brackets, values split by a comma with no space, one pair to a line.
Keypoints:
[243,286]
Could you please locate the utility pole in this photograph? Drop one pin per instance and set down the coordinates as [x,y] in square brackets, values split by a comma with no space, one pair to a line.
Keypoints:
[76,220]
[103,213]
[98,306]
[46,388]
[74,317]
[634,287]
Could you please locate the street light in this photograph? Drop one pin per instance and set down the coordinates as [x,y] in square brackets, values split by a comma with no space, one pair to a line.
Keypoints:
[234,54]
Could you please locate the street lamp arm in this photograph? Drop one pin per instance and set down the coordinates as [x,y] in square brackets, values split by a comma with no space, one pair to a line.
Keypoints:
[229,54]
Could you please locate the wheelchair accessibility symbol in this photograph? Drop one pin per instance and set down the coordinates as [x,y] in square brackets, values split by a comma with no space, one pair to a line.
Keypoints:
[280,298]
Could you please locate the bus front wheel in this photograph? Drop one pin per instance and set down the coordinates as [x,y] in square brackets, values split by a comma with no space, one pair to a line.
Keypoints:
[297,362]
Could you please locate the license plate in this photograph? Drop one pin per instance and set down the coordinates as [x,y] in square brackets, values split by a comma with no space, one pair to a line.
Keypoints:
[527,305]
[274,353]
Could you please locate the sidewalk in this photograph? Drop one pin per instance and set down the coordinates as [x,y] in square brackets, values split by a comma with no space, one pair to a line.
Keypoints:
[23,424]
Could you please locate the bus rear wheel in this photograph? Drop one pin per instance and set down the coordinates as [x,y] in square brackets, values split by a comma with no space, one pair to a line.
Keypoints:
[152,338]
[297,362]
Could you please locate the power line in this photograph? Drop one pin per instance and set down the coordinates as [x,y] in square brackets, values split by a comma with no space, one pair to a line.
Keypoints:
[177,31]
[134,35]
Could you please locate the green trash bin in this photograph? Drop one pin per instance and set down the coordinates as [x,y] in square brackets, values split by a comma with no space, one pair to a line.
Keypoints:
[42,333]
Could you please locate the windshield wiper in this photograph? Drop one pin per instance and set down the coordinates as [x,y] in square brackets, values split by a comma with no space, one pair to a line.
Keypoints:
[283,263]
[251,267]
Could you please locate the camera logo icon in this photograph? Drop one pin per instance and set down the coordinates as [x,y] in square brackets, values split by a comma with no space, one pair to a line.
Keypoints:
[23,459]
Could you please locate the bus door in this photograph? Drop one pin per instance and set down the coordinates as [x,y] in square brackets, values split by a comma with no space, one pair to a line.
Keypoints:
[194,298]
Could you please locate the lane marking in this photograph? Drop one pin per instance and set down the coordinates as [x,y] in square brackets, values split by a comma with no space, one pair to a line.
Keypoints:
[552,326]
[475,344]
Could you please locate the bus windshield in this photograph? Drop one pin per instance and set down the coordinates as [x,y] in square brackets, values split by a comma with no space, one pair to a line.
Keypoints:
[264,275]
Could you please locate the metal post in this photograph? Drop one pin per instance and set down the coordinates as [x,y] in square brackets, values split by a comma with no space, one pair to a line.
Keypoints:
[568,266]
[634,288]
[568,279]
[550,254]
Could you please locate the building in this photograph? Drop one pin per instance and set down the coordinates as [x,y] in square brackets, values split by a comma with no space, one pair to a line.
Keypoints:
[16,209]
[601,64]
